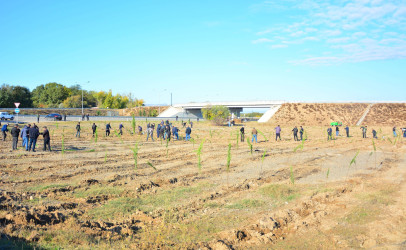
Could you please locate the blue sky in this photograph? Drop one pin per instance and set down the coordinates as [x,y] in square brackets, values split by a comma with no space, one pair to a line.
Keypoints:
[210,50]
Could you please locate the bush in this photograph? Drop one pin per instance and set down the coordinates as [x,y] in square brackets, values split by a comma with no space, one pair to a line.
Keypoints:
[217,114]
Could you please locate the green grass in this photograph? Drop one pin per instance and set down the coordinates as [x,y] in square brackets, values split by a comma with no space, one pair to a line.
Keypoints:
[246,204]
[385,196]
[98,190]
[202,229]
[165,199]
[43,187]
[212,205]
[361,216]
[280,192]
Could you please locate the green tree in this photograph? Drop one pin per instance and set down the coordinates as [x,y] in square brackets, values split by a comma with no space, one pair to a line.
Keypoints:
[11,94]
[49,95]
[74,102]
[217,114]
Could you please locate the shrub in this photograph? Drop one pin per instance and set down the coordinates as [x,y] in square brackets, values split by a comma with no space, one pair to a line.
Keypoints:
[217,114]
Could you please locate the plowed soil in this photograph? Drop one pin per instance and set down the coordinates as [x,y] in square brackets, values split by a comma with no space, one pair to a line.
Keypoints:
[342,193]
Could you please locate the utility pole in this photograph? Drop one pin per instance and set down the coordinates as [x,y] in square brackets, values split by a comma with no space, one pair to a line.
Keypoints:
[82,101]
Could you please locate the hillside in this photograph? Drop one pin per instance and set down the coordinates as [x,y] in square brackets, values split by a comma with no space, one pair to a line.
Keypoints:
[312,114]
[387,114]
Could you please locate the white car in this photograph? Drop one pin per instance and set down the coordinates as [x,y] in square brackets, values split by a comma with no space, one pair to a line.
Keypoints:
[6,116]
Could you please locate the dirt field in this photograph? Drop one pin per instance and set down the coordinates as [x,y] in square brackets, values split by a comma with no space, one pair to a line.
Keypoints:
[319,194]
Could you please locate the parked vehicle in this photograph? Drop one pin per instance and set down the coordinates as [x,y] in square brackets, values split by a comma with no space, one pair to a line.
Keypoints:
[6,116]
[54,117]
[336,124]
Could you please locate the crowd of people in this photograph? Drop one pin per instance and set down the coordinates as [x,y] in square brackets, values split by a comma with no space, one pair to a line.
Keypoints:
[29,136]
[164,130]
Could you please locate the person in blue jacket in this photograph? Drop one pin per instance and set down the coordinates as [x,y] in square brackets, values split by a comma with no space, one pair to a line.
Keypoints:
[24,135]
[4,130]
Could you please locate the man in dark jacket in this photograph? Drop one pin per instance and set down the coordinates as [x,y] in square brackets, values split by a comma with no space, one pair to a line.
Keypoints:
[162,131]
[329,134]
[347,131]
[295,130]
[47,139]
[374,133]
[78,130]
[242,133]
[158,130]
[301,131]
[188,132]
[33,135]
[108,127]
[120,128]
[175,132]
[167,132]
[15,132]
[94,127]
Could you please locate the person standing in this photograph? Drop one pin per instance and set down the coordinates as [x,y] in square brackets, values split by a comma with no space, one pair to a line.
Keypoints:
[24,135]
[158,130]
[175,132]
[394,132]
[150,133]
[78,130]
[347,131]
[188,132]
[162,131]
[4,130]
[15,132]
[242,133]
[108,127]
[329,134]
[177,118]
[94,127]
[87,117]
[364,131]
[278,132]
[337,131]
[167,132]
[47,139]
[295,130]
[64,117]
[254,133]
[120,127]
[301,131]
[33,134]
[38,118]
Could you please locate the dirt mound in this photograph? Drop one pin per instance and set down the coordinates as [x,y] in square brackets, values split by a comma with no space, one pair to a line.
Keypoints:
[316,114]
[151,111]
[386,114]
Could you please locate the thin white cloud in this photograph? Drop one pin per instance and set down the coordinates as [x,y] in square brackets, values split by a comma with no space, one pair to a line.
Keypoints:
[348,31]
[279,46]
[338,40]
[261,40]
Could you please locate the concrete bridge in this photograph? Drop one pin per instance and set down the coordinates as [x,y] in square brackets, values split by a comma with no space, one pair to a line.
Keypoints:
[194,109]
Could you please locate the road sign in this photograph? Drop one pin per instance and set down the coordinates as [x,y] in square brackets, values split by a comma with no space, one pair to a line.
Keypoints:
[17,110]
[17,104]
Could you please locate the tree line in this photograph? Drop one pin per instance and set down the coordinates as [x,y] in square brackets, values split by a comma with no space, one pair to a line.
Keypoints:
[55,95]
